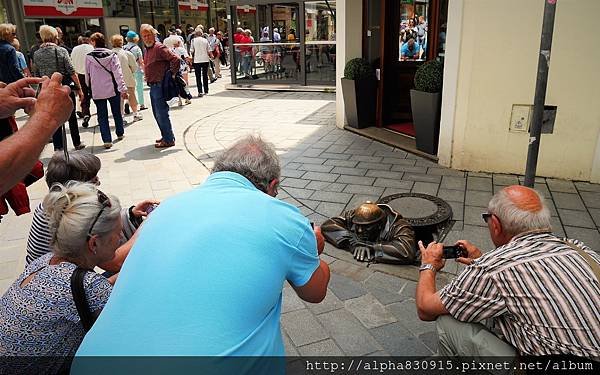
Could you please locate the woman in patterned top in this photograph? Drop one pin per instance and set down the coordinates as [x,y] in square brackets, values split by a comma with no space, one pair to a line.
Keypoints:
[38,316]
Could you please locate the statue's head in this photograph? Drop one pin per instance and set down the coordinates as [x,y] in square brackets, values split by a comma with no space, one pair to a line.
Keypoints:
[368,221]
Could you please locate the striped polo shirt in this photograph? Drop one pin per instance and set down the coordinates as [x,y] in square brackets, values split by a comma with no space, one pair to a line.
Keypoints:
[542,294]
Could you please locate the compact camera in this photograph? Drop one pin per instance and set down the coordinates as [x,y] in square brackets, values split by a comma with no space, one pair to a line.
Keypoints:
[454,251]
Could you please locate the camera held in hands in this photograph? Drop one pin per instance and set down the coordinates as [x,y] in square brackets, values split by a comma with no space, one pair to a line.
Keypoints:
[454,251]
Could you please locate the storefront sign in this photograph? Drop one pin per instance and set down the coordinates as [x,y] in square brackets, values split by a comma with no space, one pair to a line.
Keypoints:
[193,5]
[63,8]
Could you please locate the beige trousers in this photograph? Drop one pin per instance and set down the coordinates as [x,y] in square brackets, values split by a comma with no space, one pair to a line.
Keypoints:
[133,104]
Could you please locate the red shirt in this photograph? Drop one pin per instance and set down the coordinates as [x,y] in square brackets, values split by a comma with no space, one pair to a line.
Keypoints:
[157,60]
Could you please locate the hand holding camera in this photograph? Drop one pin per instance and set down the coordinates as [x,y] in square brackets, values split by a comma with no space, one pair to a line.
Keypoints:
[472,252]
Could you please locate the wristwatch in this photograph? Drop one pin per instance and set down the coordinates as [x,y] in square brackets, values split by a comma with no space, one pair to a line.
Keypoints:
[427,266]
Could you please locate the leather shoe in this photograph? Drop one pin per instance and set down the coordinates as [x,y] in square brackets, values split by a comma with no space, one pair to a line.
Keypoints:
[163,144]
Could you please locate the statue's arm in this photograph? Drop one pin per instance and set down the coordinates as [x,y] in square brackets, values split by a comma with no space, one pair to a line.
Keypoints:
[400,248]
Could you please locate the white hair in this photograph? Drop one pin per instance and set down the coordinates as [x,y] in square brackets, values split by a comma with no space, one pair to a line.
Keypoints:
[148,27]
[516,220]
[71,210]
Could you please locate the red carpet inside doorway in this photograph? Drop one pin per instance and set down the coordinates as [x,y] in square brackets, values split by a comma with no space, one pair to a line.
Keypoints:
[405,128]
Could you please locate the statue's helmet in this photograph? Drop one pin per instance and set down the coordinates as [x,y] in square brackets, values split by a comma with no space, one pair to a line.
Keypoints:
[368,213]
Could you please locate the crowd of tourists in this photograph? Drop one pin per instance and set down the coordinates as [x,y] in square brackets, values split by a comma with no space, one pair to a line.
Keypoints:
[174,284]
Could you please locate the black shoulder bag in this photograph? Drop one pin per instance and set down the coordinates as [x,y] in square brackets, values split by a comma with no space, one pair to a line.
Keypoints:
[83,308]
[112,76]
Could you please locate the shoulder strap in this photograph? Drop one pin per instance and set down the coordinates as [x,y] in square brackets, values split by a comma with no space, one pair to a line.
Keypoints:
[81,303]
[112,76]
[588,259]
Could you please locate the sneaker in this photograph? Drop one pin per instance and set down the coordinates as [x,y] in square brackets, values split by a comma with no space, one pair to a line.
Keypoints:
[187,101]
[108,145]
[127,110]
[120,138]
[163,144]
[86,121]
[142,107]
[80,146]
[79,114]
[125,123]
[137,117]
[200,95]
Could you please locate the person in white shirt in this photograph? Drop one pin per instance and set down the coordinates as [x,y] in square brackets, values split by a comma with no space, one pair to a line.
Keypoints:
[78,57]
[202,55]
[129,66]
[182,52]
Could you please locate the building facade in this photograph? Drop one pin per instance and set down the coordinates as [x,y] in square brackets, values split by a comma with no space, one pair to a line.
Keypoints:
[109,17]
[490,52]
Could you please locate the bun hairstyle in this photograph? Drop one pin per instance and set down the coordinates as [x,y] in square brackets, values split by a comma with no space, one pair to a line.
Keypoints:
[71,210]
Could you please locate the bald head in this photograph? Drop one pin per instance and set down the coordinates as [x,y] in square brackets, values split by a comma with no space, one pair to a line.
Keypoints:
[520,209]
[524,198]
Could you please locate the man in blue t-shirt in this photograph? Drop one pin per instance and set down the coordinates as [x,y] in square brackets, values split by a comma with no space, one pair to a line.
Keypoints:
[206,273]
[410,50]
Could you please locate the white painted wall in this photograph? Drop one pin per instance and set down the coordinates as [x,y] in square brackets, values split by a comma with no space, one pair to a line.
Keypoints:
[349,46]
[496,68]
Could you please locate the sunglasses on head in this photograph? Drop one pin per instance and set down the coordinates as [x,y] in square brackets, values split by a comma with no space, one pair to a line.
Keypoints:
[485,216]
[105,202]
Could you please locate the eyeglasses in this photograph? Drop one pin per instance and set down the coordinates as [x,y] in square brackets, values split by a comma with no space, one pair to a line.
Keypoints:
[485,216]
[105,202]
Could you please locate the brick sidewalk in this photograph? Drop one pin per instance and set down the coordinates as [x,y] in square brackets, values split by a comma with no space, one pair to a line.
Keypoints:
[326,170]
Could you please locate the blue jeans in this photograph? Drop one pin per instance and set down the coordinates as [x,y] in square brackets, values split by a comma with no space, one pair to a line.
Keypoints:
[160,110]
[102,112]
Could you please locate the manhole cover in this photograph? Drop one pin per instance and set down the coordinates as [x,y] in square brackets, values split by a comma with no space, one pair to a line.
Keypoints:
[419,209]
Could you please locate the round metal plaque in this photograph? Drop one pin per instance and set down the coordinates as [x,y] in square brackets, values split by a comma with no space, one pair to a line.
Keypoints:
[420,210]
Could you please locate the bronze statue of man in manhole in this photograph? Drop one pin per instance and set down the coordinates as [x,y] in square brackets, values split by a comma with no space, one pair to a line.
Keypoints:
[388,231]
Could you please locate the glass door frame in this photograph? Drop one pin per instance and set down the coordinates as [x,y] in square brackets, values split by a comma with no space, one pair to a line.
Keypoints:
[232,20]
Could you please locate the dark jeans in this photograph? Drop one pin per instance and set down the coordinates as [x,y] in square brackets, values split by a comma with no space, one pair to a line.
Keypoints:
[160,110]
[102,112]
[87,96]
[73,128]
[201,70]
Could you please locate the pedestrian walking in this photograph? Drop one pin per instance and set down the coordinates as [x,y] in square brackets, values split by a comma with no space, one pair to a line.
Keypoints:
[157,61]
[51,58]
[129,67]
[180,51]
[132,46]
[104,76]
[213,47]
[202,55]
[78,57]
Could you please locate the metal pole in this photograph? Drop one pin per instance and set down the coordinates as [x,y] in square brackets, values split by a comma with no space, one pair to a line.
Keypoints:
[535,131]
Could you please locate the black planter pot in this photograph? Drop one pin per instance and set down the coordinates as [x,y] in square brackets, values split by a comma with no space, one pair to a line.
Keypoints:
[426,109]
[360,99]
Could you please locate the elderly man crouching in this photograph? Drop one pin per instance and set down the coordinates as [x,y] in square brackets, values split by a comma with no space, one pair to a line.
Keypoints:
[231,246]
[540,293]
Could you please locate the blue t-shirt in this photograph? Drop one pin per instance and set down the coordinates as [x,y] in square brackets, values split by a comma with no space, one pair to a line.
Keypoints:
[408,53]
[205,276]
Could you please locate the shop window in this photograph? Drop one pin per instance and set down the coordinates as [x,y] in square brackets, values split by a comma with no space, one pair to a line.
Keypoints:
[320,44]
[413,30]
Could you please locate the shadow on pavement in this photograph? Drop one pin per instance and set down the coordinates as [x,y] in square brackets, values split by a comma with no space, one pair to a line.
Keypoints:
[148,152]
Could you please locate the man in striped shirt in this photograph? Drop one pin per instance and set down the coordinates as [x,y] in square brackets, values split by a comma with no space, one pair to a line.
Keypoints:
[538,294]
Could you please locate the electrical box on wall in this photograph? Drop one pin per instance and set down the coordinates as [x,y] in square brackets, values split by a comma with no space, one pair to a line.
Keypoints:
[520,117]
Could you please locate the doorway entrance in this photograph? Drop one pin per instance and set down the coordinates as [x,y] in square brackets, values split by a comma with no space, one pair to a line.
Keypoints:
[400,36]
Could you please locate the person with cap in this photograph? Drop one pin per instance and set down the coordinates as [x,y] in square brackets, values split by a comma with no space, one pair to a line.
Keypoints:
[132,46]
[373,233]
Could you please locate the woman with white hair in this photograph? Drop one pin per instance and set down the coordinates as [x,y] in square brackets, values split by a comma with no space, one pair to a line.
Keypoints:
[51,58]
[42,313]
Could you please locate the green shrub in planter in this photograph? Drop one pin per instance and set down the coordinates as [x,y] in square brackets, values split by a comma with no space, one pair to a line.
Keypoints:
[429,77]
[359,88]
[425,101]
[357,69]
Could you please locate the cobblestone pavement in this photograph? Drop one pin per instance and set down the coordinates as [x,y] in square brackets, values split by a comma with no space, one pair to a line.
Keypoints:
[325,171]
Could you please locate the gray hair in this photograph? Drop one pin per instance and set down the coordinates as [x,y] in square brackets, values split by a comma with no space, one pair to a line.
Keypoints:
[253,158]
[516,220]
[148,27]
[82,167]
[71,210]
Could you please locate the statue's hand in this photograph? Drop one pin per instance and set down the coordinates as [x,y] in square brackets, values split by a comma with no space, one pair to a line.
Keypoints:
[363,253]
